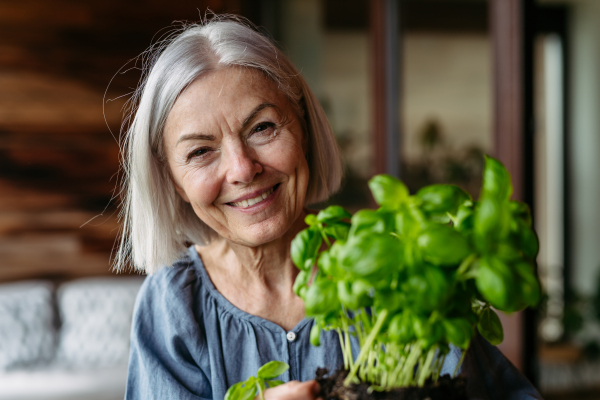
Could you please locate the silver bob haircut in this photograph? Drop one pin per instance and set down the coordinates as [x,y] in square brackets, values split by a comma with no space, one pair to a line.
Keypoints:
[157,223]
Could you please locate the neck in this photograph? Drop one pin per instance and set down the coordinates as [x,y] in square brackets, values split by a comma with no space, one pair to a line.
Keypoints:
[268,265]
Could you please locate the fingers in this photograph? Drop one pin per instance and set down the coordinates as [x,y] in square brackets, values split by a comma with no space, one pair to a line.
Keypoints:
[294,390]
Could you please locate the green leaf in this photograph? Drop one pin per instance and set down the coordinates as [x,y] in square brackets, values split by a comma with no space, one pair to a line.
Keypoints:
[390,299]
[354,295]
[321,297]
[311,220]
[428,289]
[242,390]
[274,383]
[437,200]
[401,328]
[315,335]
[329,265]
[388,191]
[458,332]
[233,393]
[272,369]
[375,255]
[333,214]
[528,284]
[525,239]
[301,281]
[464,219]
[520,211]
[492,223]
[371,221]
[496,283]
[338,230]
[496,180]
[442,245]
[490,327]
[305,246]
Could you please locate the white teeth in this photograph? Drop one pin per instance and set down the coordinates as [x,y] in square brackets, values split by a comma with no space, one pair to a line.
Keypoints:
[251,202]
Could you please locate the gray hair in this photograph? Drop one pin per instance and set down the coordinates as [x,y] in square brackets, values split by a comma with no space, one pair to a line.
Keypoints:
[157,223]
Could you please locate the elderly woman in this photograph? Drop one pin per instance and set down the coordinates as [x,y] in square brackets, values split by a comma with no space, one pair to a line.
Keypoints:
[227,148]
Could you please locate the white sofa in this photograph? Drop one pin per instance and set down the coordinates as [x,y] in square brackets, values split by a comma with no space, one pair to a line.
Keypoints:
[66,342]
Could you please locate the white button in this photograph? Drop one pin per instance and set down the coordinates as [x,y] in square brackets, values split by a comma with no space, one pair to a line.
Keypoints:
[291,336]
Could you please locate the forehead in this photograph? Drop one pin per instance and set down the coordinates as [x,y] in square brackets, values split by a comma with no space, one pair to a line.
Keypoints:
[230,92]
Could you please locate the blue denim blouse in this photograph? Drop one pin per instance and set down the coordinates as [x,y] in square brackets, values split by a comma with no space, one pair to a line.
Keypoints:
[189,342]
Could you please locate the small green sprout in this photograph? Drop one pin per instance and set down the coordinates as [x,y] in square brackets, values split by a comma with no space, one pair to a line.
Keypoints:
[264,379]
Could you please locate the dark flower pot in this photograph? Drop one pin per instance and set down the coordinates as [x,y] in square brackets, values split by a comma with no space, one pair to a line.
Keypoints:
[446,388]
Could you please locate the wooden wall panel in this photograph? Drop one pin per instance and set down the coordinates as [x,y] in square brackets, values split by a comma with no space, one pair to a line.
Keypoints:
[58,158]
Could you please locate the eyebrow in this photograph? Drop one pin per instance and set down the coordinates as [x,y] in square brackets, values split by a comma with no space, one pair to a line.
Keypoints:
[249,118]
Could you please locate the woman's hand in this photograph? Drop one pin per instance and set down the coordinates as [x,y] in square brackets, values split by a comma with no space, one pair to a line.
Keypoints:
[294,390]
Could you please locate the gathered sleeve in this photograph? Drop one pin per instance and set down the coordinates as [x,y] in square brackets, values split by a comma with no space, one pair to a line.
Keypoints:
[167,340]
[490,375]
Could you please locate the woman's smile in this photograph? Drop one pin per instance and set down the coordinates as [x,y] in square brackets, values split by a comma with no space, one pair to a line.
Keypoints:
[253,203]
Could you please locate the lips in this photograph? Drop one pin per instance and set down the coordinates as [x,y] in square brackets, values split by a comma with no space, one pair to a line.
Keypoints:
[254,200]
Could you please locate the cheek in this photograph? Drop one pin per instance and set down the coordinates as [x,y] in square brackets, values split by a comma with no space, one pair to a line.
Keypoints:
[286,155]
[201,188]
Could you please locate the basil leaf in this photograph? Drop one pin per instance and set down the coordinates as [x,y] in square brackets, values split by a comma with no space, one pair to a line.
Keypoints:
[525,239]
[274,383]
[492,223]
[458,332]
[338,231]
[333,214]
[234,392]
[305,247]
[321,297]
[329,265]
[272,369]
[371,221]
[437,200]
[311,219]
[315,335]
[528,284]
[496,180]
[301,281]
[372,254]
[520,211]
[496,283]
[401,328]
[442,245]
[388,191]
[490,327]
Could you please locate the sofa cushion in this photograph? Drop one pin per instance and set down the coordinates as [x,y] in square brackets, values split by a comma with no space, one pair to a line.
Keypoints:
[96,320]
[27,324]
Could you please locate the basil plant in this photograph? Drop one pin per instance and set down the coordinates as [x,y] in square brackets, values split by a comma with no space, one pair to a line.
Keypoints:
[416,275]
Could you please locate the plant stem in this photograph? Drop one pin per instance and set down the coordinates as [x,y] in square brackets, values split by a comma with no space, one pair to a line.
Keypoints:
[342,346]
[462,358]
[260,391]
[409,366]
[366,347]
[426,370]
[464,266]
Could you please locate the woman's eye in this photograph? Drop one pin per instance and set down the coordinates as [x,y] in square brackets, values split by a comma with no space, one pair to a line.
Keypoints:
[263,126]
[198,153]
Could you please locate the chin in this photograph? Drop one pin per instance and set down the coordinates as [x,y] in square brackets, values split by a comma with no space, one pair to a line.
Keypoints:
[265,233]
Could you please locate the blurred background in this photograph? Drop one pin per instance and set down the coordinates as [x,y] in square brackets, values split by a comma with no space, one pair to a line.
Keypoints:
[419,89]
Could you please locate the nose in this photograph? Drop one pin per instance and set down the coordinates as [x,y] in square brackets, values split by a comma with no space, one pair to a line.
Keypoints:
[241,164]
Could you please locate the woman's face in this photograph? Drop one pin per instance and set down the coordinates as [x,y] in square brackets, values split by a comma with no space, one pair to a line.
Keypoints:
[236,151]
